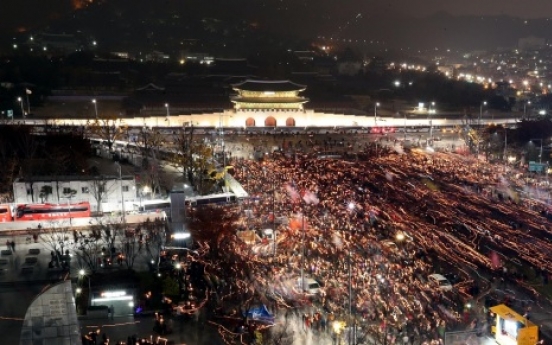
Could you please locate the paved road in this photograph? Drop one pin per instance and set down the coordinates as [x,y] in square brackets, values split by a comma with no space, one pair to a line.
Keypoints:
[18,289]
[14,301]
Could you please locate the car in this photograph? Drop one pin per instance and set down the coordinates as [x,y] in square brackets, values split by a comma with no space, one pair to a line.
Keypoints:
[440,282]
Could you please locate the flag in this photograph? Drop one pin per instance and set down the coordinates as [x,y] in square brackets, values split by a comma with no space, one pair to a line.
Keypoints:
[28,92]
[293,194]
[310,198]
[495,260]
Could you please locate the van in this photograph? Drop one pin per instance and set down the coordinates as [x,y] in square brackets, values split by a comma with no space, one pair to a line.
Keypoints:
[310,286]
[440,282]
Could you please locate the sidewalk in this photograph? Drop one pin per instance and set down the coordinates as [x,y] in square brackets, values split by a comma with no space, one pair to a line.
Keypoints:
[184,331]
[29,261]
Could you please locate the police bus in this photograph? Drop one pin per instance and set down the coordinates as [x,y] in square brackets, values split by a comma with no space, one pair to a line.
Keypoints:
[212,199]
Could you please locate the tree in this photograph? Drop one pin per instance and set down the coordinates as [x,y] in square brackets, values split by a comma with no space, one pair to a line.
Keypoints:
[194,157]
[107,128]
[45,191]
[100,186]
[130,248]
[28,148]
[57,238]
[151,141]
[154,238]
[89,251]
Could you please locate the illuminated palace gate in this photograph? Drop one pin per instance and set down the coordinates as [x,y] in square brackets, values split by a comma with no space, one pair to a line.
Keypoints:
[262,95]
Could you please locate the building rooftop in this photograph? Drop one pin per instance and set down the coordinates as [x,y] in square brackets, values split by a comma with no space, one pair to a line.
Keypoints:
[268,86]
[269,100]
[72,178]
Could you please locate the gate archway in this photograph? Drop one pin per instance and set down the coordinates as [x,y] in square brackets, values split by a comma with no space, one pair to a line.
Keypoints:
[290,122]
[270,121]
[250,122]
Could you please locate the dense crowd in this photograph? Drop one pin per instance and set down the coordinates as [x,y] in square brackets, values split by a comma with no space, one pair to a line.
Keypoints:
[374,228]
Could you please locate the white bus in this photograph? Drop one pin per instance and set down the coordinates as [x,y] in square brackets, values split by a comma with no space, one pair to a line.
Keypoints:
[211,199]
[158,205]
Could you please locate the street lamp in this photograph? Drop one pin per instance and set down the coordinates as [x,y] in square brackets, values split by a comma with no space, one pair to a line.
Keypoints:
[525,109]
[20,100]
[95,107]
[376,105]
[178,267]
[122,194]
[82,274]
[540,152]
[484,103]
[431,110]
[168,113]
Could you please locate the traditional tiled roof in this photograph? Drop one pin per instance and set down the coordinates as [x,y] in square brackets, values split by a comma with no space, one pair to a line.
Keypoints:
[268,85]
[269,100]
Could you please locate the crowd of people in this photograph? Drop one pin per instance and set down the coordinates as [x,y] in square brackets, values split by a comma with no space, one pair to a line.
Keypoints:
[371,231]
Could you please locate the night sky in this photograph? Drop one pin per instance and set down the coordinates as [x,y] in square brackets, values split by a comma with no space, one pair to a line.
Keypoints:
[19,14]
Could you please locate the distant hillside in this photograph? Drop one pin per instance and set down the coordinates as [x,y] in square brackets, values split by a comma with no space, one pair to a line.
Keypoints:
[232,26]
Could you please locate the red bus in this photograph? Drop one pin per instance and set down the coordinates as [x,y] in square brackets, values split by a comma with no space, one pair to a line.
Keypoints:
[52,211]
[5,213]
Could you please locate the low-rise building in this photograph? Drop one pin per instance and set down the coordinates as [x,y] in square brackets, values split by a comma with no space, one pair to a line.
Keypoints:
[104,193]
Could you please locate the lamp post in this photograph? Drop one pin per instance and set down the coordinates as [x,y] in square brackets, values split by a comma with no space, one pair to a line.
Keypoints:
[20,100]
[376,105]
[27,93]
[168,113]
[178,267]
[431,110]
[525,109]
[540,152]
[484,103]
[95,108]
[122,194]
[82,274]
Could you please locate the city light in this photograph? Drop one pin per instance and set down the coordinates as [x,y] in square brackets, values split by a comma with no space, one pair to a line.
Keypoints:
[108,296]
[114,293]
[181,235]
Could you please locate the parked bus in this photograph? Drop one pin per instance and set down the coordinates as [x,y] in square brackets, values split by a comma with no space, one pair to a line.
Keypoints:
[212,199]
[158,205]
[5,213]
[52,211]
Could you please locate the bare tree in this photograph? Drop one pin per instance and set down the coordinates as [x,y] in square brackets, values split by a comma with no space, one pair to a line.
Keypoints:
[89,249]
[107,128]
[100,187]
[28,148]
[44,193]
[194,157]
[154,238]
[151,141]
[56,237]
[130,248]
